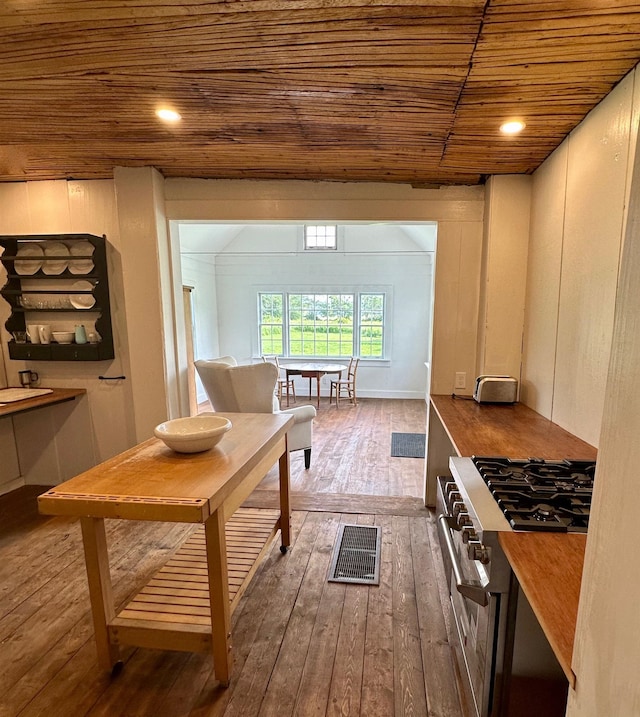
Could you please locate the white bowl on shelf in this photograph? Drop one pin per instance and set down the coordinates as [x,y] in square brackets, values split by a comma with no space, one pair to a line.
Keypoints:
[62,337]
[193,434]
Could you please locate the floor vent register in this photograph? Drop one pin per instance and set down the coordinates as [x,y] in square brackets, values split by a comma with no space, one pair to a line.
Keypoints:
[356,555]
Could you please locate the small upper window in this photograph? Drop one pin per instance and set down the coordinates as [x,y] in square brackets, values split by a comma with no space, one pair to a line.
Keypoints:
[320,236]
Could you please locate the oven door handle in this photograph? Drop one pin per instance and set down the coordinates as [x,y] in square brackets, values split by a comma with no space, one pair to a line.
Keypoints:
[471,590]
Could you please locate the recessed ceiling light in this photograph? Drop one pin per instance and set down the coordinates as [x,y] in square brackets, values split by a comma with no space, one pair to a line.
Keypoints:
[512,127]
[168,115]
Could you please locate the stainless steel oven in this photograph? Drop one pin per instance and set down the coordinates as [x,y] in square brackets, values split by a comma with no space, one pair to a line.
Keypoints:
[509,667]
[478,581]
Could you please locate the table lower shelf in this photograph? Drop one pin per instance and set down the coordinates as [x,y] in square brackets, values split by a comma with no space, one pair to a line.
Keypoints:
[172,610]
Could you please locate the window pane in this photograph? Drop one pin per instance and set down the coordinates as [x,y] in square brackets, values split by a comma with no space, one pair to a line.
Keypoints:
[271,323]
[321,325]
[271,341]
[371,325]
[320,236]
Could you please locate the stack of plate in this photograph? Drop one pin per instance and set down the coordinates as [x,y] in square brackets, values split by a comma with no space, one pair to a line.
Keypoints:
[83,249]
[55,266]
[82,301]
[29,266]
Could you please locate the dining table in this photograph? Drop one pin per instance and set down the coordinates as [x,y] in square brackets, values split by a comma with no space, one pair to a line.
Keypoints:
[313,370]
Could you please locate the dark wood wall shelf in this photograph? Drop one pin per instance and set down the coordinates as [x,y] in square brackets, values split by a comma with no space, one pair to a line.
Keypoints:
[43,290]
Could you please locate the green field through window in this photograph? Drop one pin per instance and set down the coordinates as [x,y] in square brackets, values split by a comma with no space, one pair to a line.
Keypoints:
[322,325]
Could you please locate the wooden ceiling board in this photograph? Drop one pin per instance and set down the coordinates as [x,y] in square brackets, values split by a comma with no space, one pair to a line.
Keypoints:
[387,91]
[542,62]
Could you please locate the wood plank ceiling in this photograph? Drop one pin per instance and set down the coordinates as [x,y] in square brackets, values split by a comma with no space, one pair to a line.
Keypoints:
[346,90]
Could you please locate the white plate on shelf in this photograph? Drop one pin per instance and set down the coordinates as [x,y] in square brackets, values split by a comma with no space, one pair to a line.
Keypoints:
[55,266]
[82,301]
[81,266]
[29,266]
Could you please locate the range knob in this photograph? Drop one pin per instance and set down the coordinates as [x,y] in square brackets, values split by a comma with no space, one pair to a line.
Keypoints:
[469,534]
[477,551]
[451,491]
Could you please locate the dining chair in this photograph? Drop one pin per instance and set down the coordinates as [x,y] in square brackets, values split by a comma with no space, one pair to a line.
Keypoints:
[284,385]
[348,384]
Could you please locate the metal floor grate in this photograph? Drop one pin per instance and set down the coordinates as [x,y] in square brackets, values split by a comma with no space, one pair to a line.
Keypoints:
[408,445]
[356,555]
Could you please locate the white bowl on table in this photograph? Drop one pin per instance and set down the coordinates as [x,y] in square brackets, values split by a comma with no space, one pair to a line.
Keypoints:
[63,337]
[193,434]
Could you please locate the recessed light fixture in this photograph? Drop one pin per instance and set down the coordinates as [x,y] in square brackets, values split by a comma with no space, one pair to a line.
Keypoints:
[168,115]
[512,127]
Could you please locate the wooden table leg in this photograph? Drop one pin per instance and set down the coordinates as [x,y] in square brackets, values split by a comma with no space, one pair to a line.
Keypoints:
[219,596]
[285,503]
[100,592]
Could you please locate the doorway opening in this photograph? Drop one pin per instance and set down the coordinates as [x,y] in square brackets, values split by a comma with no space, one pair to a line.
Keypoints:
[228,266]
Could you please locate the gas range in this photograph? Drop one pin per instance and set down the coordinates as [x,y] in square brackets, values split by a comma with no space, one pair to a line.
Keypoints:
[482,498]
[504,494]
[538,494]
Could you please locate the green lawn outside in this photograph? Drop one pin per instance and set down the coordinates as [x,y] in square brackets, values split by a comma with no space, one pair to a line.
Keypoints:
[335,343]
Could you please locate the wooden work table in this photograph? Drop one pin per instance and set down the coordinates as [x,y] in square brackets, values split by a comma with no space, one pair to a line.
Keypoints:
[186,605]
[547,565]
[58,395]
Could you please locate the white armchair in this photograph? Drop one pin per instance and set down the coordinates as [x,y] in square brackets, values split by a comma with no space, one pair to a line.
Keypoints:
[251,389]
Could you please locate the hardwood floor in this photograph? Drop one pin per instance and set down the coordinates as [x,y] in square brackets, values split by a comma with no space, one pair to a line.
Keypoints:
[302,646]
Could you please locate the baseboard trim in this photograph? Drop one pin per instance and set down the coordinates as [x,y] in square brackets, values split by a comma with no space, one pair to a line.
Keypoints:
[12,485]
[409,395]
[366,393]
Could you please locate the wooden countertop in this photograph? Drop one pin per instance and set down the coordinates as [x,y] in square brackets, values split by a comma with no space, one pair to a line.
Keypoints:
[511,430]
[549,569]
[59,395]
[548,565]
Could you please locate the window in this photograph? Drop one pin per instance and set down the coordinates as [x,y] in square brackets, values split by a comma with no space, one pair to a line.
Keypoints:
[271,323]
[322,325]
[371,325]
[323,236]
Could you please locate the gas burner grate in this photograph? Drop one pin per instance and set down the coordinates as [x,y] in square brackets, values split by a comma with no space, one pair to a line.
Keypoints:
[540,495]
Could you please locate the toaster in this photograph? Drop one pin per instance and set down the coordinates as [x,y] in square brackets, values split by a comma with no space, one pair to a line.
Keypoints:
[495,389]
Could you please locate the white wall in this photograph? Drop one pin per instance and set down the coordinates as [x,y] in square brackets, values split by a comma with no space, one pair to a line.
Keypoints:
[607,648]
[370,258]
[199,272]
[504,270]
[457,210]
[578,207]
[543,282]
[456,305]
[70,207]
[574,301]
[147,282]
[201,275]
[131,213]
